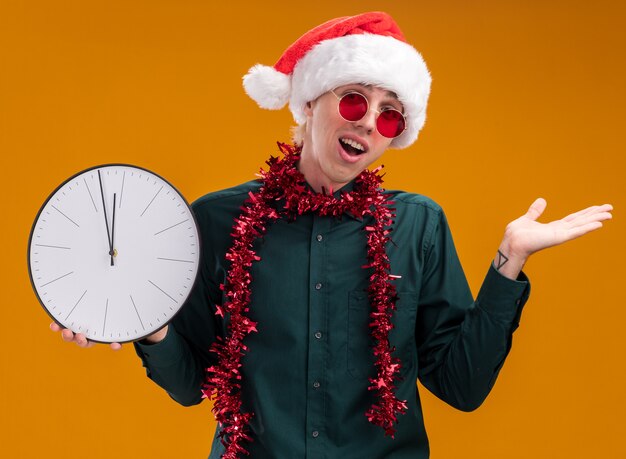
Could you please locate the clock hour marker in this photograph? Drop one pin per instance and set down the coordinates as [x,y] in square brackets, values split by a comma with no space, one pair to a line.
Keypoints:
[163,291]
[157,193]
[138,316]
[106,309]
[122,191]
[81,297]
[53,246]
[172,259]
[89,191]
[54,280]
[65,215]
[170,227]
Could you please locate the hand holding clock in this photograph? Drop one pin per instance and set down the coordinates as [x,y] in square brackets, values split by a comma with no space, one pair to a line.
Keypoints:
[82,341]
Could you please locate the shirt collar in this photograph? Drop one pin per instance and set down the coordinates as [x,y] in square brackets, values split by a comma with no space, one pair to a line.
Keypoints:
[348,187]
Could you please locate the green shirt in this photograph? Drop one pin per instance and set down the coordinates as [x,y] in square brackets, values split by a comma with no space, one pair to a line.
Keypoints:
[306,370]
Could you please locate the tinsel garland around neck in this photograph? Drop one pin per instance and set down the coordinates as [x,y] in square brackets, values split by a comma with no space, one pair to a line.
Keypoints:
[283,183]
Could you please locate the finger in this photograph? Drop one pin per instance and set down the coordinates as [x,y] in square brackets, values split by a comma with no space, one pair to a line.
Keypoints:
[81,340]
[589,210]
[602,216]
[580,213]
[607,207]
[536,208]
[116,346]
[55,327]
[590,217]
[584,229]
[67,335]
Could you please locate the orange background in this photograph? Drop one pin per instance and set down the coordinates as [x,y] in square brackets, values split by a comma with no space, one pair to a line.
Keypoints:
[528,100]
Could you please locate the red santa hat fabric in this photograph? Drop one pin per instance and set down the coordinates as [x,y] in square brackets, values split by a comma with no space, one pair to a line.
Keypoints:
[368,48]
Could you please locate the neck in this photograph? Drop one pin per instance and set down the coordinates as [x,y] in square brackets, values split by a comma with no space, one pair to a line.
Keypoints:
[313,174]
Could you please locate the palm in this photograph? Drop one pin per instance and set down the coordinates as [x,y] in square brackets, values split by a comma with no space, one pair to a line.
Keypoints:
[530,236]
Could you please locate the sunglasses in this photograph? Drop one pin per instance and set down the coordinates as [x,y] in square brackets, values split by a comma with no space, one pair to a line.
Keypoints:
[353,106]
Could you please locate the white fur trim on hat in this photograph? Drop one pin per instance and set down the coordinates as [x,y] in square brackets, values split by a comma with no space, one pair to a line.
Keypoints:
[267,86]
[376,60]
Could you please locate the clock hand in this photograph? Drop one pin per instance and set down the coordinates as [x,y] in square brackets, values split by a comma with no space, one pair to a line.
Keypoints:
[104,211]
[112,251]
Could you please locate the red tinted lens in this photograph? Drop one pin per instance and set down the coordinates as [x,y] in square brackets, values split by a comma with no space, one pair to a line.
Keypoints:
[390,123]
[352,106]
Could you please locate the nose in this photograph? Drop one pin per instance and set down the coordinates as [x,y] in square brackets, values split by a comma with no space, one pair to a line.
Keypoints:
[368,122]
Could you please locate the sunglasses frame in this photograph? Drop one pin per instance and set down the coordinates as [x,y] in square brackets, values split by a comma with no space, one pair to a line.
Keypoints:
[378,112]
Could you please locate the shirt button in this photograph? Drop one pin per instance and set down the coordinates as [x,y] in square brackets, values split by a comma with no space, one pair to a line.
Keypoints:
[315,434]
[318,335]
[319,238]
[318,286]
[316,384]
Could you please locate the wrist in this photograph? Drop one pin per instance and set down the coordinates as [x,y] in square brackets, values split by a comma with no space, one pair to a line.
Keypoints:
[508,261]
[157,337]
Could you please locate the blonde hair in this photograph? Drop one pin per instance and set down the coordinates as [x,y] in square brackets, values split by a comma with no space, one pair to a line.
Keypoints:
[297,134]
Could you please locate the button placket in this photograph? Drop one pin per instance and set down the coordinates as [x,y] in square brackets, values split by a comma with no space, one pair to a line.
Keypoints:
[318,310]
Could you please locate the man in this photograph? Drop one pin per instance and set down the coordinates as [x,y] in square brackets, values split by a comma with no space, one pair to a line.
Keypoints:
[322,299]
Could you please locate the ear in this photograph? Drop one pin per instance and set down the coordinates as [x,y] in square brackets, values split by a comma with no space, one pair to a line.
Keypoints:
[308,109]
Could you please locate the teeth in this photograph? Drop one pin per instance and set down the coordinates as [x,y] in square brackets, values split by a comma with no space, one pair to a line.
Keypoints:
[353,144]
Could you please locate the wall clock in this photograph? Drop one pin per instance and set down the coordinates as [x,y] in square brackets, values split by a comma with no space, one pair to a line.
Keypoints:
[113,253]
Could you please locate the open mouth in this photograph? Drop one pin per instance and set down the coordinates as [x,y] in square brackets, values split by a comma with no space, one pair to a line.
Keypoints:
[352,147]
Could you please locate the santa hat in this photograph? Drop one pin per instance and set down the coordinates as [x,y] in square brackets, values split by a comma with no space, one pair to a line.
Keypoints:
[368,48]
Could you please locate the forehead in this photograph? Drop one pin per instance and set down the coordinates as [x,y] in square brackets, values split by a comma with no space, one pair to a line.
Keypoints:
[368,89]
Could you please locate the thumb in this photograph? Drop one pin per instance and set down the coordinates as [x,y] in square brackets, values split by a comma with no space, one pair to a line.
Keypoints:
[536,209]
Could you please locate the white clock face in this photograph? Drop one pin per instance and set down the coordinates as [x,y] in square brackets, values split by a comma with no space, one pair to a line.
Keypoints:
[114,253]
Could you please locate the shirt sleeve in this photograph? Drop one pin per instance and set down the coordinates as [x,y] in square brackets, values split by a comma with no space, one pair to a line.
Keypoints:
[462,343]
[178,363]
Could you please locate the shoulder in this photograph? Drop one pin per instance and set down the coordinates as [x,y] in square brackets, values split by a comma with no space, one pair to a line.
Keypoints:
[417,214]
[417,221]
[233,196]
[419,218]
[214,212]
[413,202]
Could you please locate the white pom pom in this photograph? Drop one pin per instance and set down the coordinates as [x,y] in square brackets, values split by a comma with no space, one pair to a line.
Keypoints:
[267,87]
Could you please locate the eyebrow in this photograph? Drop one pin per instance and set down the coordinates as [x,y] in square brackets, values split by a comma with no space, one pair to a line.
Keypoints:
[371,86]
[390,94]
